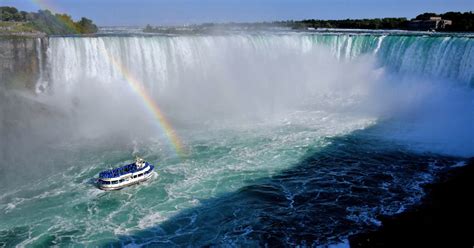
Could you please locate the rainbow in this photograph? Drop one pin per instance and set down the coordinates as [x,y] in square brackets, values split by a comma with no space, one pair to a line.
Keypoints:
[149,104]
[137,87]
[46,4]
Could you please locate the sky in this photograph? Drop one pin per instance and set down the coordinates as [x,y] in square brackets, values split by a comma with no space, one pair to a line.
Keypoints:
[177,12]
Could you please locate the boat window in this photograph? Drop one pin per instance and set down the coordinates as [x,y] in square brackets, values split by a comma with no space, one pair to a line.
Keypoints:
[141,174]
[121,180]
[114,182]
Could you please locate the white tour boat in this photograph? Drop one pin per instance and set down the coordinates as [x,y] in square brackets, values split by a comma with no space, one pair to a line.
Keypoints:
[124,176]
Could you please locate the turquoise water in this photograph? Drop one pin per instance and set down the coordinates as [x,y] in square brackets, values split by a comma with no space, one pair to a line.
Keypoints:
[292,139]
[65,208]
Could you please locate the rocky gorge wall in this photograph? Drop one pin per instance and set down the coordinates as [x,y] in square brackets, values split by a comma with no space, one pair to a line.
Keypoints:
[21,61]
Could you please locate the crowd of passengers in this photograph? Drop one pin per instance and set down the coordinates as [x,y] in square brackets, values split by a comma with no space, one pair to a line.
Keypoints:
[131,168]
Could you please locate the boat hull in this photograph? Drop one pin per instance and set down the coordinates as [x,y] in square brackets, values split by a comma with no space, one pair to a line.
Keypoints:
[126,180]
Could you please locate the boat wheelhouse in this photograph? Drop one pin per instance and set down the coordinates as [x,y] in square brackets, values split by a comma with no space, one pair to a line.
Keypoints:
[124,176]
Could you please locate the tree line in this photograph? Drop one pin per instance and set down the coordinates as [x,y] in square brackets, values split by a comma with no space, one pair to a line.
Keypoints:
[47,22]
[461,22]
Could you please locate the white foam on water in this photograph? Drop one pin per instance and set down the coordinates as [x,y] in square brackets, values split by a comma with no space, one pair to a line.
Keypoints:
[459,164]
[150,220]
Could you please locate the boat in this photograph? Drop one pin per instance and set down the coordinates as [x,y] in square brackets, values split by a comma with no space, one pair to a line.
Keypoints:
[126,175]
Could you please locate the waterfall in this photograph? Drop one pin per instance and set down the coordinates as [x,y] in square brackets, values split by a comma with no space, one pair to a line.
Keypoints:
[41,83]
[219,78]
[160,61]
[441,57]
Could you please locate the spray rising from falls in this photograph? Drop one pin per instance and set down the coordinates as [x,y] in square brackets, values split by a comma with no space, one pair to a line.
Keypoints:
[203,78]
[197,79]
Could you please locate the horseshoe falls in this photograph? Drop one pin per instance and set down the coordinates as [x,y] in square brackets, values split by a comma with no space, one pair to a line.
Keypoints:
[287,138]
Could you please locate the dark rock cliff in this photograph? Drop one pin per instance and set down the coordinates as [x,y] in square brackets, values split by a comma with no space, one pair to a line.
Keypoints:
[20,61]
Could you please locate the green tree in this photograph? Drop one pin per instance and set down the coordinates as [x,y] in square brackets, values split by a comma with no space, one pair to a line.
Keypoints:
[7,13]
[86,26]
[67,20]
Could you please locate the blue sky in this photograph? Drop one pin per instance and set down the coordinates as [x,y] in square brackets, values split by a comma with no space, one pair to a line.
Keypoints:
[166,12]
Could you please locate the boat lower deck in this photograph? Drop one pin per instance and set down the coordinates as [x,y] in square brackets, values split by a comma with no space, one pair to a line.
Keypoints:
[125,183]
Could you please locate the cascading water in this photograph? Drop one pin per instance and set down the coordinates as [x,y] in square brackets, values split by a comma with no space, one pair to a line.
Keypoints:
[41,84]
[154,59]
[290,138]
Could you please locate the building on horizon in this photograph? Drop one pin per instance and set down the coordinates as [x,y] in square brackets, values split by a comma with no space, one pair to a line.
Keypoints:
[433,23]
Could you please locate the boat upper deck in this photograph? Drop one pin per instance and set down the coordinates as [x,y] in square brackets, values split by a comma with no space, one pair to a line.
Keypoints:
[126,169]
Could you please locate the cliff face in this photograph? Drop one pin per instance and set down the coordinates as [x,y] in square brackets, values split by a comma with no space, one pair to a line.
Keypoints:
[21,60]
